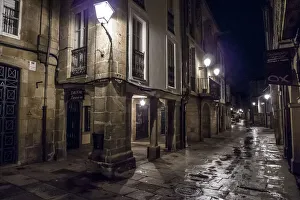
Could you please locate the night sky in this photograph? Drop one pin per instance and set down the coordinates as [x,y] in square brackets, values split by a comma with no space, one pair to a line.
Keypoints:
[243,41]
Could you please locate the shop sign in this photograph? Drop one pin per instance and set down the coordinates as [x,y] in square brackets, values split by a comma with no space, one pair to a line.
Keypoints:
[278,67]
[77,94]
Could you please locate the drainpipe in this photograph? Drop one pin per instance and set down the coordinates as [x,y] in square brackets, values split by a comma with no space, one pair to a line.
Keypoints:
[184,97]
[44,117]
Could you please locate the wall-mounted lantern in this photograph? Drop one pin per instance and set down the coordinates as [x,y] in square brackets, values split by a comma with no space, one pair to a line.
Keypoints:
[104,11]
[267,96]
[216,71]
[207,62]
[142,102]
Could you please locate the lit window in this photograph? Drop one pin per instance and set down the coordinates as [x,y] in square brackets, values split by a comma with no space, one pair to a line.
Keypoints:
[171,63]
[10,17]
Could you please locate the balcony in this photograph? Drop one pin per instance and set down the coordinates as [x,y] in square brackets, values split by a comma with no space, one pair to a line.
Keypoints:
[138,65]
[79,62]
[203,85]
[171,22]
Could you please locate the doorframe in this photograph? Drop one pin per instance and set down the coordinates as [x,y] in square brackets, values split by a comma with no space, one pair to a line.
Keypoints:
[17,135]
[80,124]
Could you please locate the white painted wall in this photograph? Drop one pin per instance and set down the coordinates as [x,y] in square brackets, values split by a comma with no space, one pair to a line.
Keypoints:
[156,17]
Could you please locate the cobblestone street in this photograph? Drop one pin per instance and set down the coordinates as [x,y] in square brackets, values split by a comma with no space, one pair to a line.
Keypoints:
[241,164]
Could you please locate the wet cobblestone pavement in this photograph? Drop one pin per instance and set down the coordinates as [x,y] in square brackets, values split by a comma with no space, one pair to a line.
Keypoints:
[241,164]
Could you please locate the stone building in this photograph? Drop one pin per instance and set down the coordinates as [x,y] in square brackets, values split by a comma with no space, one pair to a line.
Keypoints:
[121,79]
[27,79]
[206,109]
[282,32]
[119,84]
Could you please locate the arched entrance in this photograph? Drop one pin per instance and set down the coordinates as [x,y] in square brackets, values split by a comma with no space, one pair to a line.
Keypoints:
[206,121]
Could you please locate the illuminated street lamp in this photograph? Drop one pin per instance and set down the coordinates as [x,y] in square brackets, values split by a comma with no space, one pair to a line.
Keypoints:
[207,62]
[142,102]
[104,11]
[217,71]
[267,96]
[253,103]
[231,109]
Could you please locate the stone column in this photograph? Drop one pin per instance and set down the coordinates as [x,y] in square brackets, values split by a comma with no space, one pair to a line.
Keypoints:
[295,126]
[112,117]
[153,151]
[177,132]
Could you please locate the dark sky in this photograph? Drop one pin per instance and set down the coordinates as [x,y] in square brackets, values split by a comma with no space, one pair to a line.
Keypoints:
[244,42]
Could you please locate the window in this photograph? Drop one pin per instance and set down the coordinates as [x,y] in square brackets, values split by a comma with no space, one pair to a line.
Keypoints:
[141,3]
[79,53]
[87,118]
[170,16]
[192,68]
[137,48]
[10,17]
[170,63]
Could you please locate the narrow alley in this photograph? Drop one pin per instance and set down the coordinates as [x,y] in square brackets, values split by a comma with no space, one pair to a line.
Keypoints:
[238,164]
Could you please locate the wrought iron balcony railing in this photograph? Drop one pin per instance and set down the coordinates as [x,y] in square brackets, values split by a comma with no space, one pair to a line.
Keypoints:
[79,61]
[138,65]
[203,85]
[10,21]
[171,22]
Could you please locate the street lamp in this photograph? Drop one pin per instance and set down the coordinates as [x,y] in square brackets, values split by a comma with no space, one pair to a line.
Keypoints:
[104,11]
[266,96]
[217,71]
[207,62]
[142,102]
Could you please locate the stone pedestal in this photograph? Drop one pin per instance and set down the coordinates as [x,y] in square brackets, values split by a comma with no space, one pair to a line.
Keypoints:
[112,117]
[153,151]
[295,126]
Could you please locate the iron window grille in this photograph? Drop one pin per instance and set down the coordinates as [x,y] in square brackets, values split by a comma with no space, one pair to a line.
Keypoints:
[10,14]
[138,64]
[79,54]
[79,61]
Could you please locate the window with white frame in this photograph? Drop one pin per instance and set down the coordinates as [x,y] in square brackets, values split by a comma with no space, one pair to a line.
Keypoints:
[10,17]
[79,52]
[138,47]
[171,63]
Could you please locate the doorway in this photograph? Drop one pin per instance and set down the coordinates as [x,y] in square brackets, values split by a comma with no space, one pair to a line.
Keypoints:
[141,121]
[9,97]
[206,121]
[73,125]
